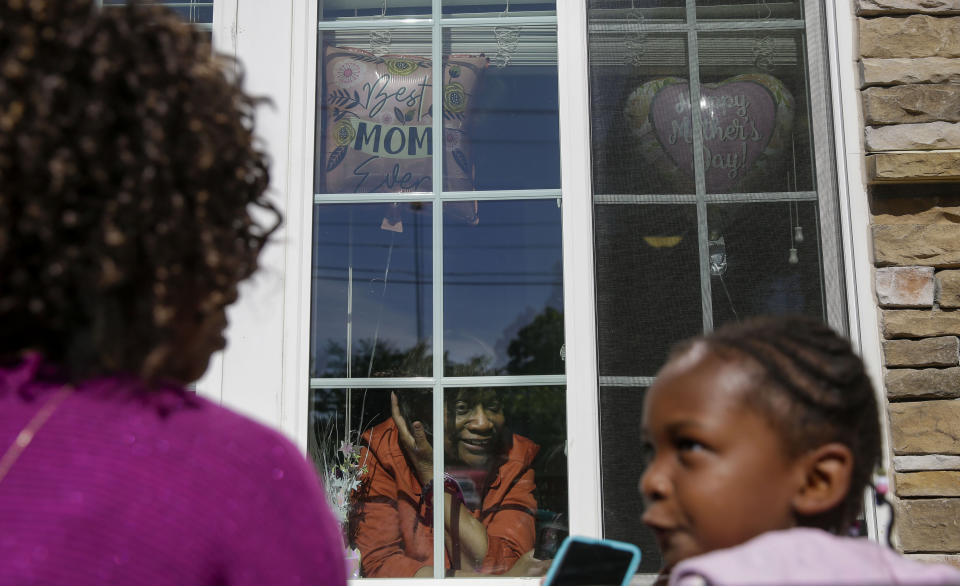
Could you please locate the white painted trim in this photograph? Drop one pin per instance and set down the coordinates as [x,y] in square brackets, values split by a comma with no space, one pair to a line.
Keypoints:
[864,317]
[225,27]
[224,31]
[299,237]
[583,419]
[252,375]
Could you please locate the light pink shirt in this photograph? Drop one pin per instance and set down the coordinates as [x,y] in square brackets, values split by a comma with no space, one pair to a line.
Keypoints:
[808,557]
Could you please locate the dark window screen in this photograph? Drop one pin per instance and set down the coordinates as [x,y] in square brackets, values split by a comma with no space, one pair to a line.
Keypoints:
[714,196]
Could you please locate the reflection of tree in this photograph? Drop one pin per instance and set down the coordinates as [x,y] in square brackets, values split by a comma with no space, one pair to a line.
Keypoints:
[390,361]
[478,365]
[384,359]
[536,347]
[533,349]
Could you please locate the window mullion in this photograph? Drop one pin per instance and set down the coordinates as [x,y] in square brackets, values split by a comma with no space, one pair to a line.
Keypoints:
[580,336]
[693,59]
[436,122]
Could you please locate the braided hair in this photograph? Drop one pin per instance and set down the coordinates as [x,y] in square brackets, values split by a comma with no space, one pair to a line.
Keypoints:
[823,395]
[131,188]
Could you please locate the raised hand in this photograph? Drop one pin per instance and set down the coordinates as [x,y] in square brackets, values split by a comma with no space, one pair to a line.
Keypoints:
[413,440]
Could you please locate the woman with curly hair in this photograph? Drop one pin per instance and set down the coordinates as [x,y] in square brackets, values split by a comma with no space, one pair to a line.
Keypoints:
[131,206]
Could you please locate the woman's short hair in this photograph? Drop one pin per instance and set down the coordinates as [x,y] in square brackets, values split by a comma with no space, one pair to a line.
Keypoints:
[130,184]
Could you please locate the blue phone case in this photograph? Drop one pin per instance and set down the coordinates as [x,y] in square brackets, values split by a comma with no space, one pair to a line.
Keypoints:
[620,545]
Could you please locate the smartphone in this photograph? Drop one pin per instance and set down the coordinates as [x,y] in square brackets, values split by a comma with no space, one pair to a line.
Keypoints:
[582,561]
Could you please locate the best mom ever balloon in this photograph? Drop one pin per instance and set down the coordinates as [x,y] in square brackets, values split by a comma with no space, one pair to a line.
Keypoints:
[746,122]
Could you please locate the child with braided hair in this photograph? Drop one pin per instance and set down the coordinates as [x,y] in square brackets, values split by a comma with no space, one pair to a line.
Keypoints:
[762,438]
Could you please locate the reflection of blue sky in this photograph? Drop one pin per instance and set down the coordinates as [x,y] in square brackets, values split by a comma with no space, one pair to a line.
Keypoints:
[333,9]
[515,128]
[196,11]
[499,274]
[391,280]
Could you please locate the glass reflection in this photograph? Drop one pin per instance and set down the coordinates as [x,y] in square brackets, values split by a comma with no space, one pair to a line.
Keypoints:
[648,284]
[503,288]
[505,461]
[366,9]
[634,152]
[375,113]
[762,10]
[505,456]
[754,113]
[635,13]
[463,8]
[371,313]
[765,259]
[504,134]
[370,486]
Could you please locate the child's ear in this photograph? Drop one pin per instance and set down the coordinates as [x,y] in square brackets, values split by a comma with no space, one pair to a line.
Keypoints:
[827,470]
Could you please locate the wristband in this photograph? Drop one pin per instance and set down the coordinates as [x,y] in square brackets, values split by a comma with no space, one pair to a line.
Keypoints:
[450,485]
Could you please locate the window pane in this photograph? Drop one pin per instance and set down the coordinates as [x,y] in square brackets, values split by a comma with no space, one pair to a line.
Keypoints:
[648,284]
[193,11]
[503,288]
[353,441]
[375,113]
[639,132]
[754,112]
[636,12]
[504,134]
[366,9]
[683,242]
[758,267]
[747,11]
[507,452]
[621,465]
[371,297]
[461,8]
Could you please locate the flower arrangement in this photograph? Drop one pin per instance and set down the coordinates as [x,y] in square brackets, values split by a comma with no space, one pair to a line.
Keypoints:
[341,477]
[341,469]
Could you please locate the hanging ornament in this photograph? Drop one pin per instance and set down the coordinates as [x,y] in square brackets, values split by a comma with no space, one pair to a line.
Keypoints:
[798,234]
[508,39]
[381,39]
[717,249]
[794,259]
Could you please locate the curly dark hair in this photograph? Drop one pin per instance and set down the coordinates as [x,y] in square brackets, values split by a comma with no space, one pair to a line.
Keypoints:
[129,182]
[829,397]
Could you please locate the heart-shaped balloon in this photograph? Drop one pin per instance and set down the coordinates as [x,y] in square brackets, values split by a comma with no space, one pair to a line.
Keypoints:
[746,123]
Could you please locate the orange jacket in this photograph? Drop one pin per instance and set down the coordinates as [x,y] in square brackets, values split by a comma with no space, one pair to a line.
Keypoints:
[395,539]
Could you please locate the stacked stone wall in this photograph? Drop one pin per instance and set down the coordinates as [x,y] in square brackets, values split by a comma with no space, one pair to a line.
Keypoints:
[910,92]
[910,73]
[916,241]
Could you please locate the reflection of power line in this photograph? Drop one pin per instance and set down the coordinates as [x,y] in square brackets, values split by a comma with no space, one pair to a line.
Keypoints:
[488,225]
[455,283]
[477,246]
[373,272]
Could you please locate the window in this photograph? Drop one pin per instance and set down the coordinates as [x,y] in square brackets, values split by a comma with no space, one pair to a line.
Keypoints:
[437,279]
[197,12]
[557,257]
[714,194]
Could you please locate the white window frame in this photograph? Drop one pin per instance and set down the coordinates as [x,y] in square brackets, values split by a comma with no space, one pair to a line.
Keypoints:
[263,371]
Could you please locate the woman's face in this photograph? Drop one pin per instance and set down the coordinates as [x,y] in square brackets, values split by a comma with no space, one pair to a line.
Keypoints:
[478,420]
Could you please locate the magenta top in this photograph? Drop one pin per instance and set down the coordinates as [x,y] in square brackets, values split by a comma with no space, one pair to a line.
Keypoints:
[159,489]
